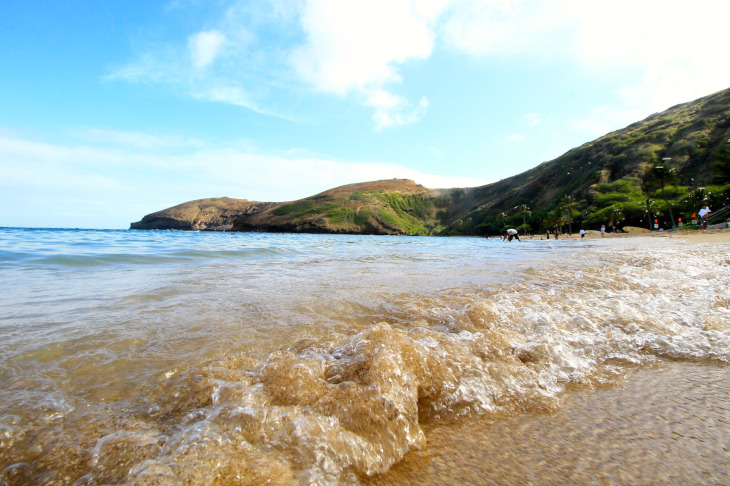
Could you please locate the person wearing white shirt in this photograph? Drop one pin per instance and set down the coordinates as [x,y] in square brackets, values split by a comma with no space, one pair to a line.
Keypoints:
[704,215]
[512,233]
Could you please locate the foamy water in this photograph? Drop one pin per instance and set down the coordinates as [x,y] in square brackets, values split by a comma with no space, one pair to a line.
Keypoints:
[214,358]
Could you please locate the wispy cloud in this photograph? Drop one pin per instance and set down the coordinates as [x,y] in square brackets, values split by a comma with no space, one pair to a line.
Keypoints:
[258,53]
[533,118]
[144,167]
[140,140]
[392,110]
[253,55]
[205,47]
[514,137]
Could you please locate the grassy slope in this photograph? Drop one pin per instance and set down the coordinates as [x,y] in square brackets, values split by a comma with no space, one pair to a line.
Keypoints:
[395,206]
[609,177]
[695,135]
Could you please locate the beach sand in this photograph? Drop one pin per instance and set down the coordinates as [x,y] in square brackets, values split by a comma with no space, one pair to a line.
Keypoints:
[706,236]
[698,236]
[664,425]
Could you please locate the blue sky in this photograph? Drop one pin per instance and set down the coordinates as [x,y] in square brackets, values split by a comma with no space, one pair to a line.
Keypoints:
[112,110]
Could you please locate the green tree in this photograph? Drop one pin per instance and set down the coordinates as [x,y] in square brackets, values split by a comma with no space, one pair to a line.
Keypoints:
[721,164]
[568,206]
[502,218]
[554,219]
[525,211]
[648,204]
[615,216]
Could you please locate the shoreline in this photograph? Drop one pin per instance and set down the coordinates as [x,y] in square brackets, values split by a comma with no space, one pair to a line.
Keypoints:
[717,235]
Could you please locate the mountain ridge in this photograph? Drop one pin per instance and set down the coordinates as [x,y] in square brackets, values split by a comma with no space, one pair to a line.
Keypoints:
[675,159]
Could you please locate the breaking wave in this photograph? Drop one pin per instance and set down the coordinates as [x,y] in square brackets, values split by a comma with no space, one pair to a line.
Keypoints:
[340,406]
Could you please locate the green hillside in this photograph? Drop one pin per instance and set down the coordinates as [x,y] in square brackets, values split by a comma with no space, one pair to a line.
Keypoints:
[616,178]
[661,168]
[395,206]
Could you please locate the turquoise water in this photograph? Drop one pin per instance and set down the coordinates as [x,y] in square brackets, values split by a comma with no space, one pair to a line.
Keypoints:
[58,283]
[317,358]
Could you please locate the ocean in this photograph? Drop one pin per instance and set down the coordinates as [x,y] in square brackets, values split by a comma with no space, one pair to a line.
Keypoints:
[163,357]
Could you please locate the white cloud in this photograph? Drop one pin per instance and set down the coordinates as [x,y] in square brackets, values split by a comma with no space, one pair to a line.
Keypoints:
[514,137]
[256,52]
[680,47]
[42,181]
[603,119]
[392,110]
[533,118]
[205,47]
[357,45]
[504,27]
[665,51]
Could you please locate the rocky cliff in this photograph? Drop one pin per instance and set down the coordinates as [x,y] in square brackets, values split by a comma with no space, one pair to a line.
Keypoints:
[213,214]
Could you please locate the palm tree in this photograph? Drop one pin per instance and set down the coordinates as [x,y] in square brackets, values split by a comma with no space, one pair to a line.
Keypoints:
[554,219]
[665,175]
[615,216]
[648,203]
[525,210]
[502,218]
[568,204]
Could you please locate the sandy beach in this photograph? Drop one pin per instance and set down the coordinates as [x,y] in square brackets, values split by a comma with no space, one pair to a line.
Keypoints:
[700,236]
[706,236]
[663,425]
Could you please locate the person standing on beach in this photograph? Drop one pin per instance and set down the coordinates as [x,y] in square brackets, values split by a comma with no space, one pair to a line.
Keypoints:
[603,230]
[512,233]
[582,233]
[705,215]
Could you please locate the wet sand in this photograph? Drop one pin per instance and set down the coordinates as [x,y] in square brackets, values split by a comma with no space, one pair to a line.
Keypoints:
[664,425]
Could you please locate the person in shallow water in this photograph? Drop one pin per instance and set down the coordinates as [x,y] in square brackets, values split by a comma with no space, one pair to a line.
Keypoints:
[512,233]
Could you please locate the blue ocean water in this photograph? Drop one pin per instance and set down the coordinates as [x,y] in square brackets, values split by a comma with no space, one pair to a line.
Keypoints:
[38,247]
[89,295]
[318,358]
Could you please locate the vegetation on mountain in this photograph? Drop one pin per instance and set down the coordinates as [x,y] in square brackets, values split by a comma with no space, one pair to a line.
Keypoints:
[670,162]
[659,169]
[395,206]
[217,213]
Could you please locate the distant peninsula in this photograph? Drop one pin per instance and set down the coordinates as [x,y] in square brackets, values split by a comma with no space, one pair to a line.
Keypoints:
[649,174]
